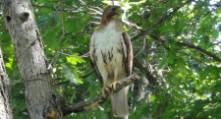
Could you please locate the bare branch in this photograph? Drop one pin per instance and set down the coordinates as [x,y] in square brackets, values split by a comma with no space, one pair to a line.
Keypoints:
[43,6]
[132,25]
[68,10]
[83,106]
[142,49]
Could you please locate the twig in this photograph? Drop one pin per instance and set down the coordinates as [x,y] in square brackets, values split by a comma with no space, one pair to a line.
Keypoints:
[71,10]
[81,56]
[132,25]
[82,106]
[143,47]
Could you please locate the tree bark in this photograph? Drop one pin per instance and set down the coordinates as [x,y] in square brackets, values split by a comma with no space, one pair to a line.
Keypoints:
[39,92]
[5,109]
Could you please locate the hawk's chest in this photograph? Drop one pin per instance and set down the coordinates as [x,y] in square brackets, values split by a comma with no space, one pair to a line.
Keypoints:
[108,39]
[109,46]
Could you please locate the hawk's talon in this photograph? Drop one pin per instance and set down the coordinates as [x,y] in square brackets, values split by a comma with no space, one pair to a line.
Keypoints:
[105,91]
[113,85]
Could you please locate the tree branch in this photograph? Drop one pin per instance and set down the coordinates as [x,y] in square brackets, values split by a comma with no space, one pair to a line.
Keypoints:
[83,106]
[189,45]
[210,54]
[148,74]
[164,18]
[161,20]
[70,10]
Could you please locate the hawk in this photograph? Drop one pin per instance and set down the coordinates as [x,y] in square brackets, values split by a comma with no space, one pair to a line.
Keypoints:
[111,54]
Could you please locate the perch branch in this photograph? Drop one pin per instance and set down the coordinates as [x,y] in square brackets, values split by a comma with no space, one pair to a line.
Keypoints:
[84,106]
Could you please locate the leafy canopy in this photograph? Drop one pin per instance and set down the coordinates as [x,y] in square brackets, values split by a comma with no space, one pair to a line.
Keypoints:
[177,54]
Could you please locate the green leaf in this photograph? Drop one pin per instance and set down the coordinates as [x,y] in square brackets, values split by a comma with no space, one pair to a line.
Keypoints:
[74,59]
[9,63]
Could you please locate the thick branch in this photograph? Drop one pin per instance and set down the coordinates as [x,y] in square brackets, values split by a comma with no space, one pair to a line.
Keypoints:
[83,106]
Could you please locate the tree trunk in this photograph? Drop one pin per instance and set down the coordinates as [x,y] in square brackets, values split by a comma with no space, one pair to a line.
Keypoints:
[39,92]
[5,109]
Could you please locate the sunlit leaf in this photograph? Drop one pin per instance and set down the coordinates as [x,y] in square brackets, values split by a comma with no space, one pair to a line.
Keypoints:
[75,59]
[9,63]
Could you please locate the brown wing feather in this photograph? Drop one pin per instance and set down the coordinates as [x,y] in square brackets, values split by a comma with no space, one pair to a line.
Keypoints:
[94,65]
[129,57]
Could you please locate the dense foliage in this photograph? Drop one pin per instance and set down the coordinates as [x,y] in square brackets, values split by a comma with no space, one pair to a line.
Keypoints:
[177,45]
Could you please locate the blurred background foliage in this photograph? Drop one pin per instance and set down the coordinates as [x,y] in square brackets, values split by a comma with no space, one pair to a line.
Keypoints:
[177,48]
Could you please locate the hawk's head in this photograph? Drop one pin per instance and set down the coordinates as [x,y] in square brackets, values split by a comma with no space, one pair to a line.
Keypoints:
[111,12]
